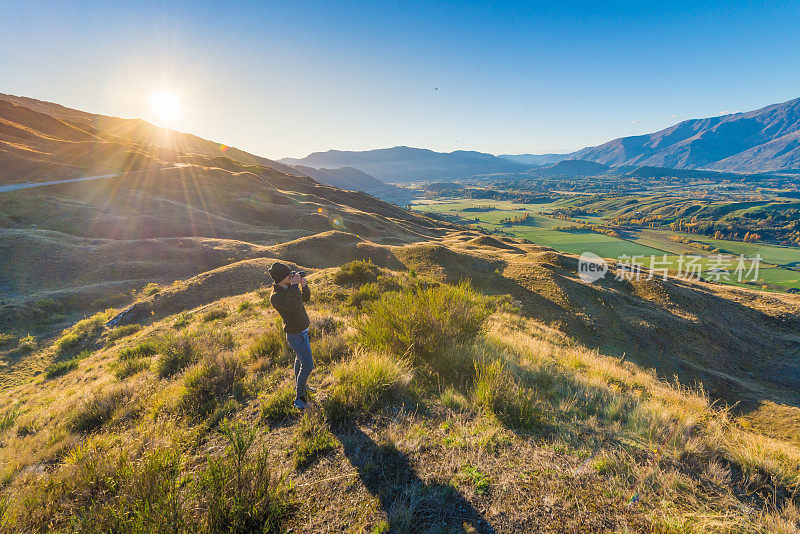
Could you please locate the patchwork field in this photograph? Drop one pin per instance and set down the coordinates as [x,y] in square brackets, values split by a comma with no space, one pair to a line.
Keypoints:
[775,267]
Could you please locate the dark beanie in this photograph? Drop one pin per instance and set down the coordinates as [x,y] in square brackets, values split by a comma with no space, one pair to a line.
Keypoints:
[278,271]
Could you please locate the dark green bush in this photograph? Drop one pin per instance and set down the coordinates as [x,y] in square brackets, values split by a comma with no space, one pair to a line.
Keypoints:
[98,410]
[57,369]
[213,315]
[176,354]
[122,331]
[148,347]
[356,273]
[215,379]
[270,346]
[366,383]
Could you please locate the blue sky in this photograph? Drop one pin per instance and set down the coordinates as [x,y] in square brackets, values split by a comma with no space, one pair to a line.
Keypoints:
[288,78]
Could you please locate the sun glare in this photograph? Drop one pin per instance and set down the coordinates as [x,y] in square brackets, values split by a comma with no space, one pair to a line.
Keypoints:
[165,107]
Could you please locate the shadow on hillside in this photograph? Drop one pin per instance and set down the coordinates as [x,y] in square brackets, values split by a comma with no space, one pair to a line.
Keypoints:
[410,503]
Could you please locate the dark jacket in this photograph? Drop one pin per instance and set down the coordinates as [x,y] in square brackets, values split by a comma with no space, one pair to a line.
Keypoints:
[289,303]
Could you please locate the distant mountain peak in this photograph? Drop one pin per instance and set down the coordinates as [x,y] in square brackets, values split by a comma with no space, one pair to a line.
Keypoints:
[760,140]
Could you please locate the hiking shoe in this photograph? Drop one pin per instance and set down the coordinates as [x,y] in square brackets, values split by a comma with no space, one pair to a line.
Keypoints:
[299,404]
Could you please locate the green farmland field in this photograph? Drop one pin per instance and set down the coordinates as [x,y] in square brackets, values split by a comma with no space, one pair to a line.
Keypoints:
[644,245]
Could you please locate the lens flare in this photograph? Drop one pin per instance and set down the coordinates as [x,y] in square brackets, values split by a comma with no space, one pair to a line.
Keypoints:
[165,107]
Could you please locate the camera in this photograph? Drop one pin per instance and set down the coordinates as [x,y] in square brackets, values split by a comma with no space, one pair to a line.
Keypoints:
[299,273]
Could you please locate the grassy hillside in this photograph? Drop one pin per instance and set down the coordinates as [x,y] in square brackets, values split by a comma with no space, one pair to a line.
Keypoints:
[92,243]
[42,141]
[438,409]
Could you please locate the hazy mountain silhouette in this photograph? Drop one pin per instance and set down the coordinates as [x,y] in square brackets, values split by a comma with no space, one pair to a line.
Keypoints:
[356,180]
[535,159]
[761,140]
[577,167]
[403,163]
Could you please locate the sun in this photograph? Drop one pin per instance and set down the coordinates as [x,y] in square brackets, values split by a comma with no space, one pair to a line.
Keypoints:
[165,107]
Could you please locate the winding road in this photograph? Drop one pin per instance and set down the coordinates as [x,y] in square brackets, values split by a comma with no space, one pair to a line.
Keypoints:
[26,185]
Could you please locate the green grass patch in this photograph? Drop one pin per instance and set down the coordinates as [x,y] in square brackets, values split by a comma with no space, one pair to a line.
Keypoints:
[312,440]
[366,383]
[176,354]
[98,410]
[270,346]
[182,320]
[497,392]
[122,331]
[56,369]
[213,315]
[277,406]
[144,349]
[474,477]
[356,273]
[214,380]
[424,323]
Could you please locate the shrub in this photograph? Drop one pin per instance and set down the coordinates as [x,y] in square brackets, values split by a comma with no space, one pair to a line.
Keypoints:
[424,323]
[122,331]
[57,369]
[98,410]
[176,355]
[26,345]
[311,441]
[151,289]
[322,325]
[244,306]
[278,405]
[8,418]
[270,346]
[496,392]
[356,273]
[237,494]
[128,368]
[214,379]
[453,399]
[182,320]
[213,315]
[81,335]
[146,348]
[365,383]
[365,293]
[100,489]
[330,349]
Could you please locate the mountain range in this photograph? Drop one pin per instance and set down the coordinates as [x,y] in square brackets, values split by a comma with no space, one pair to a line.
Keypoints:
[405,164]
[767,139]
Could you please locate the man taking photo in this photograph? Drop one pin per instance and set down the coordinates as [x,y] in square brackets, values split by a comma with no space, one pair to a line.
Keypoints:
[289,292]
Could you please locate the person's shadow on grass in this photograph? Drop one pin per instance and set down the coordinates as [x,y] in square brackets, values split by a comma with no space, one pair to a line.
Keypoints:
[410,504]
